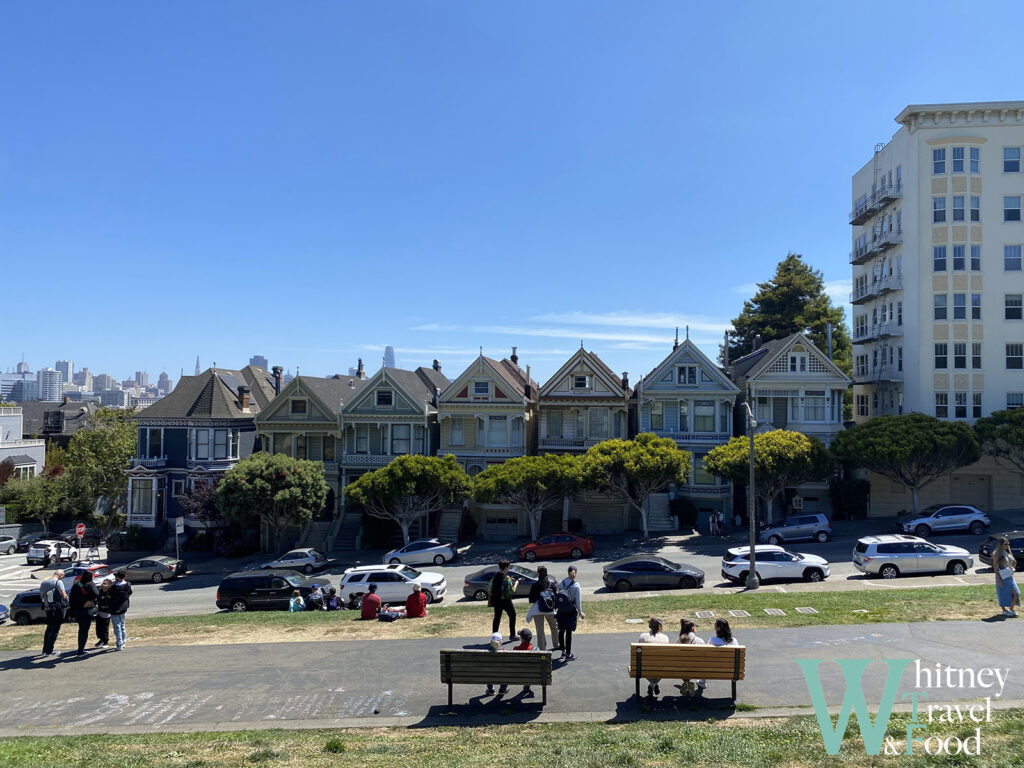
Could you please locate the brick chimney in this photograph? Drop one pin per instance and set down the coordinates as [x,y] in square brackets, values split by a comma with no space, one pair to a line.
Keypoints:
[625,380]
[437,365]
[514,358]
[243,398]
[360,371]
[277,370]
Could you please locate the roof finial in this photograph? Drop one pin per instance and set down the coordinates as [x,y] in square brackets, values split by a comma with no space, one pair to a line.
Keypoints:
[481,350]
[676,343]
[581,343]
[687,333]
[296,370]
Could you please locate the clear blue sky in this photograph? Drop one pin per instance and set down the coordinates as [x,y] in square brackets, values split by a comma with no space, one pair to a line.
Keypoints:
[314,181]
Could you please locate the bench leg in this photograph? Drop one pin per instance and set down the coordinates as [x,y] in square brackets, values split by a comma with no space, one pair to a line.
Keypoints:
[449,694]
[733,691]
[638,687]
[544,696]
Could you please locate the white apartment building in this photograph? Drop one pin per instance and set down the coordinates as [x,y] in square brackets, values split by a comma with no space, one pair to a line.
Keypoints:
[938,317]
[937,264]
[50,385]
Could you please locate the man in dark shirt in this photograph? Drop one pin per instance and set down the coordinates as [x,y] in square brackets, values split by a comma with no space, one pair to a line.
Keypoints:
[502,590]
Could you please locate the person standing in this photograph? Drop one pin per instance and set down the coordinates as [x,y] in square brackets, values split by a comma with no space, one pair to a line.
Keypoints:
[502,591]
[103,614]
[1004,564]
[83,607]
[568,608]
[655,634]
[55,602]
[542,608]
[120,593]
[713,524]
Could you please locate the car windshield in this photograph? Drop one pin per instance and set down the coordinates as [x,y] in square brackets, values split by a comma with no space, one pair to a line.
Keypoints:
[104,571]
[530,574]
[409,573]
[295,581]
[929,511]
[669,563]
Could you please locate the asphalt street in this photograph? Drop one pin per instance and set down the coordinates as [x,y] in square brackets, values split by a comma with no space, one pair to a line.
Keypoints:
[397,682]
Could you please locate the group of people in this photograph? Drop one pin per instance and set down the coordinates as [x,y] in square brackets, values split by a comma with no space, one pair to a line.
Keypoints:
[687,636]
[373,608]
[105,605]
[1004,564]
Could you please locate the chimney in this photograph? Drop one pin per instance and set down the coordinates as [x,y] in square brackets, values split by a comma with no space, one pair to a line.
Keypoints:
[625,380]
[527,388]
[436,366]
[757,342]
[243,398]
[725,351]
[360,371]
[277,370]
[828,327]
[514,358]
[66,400]
[437,394]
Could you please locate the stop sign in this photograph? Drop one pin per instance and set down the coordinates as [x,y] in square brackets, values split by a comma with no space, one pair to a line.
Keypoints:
[80,530]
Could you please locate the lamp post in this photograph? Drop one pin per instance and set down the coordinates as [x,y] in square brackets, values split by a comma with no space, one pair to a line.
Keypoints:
[752,581]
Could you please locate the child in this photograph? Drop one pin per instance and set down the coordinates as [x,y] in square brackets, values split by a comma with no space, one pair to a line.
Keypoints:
[296,603]
[525,644]
[494,647]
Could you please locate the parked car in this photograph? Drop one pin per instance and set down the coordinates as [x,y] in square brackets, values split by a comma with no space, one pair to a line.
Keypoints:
[8,545]
[263,590]
[892,555]
[306,560]
[478,584]
[29,539]
[5,613]
[27,607]
[422,552]
[773,562]
[91,538]
[556,545]
[39,552]
[939,517]
[155,568]
[650,572]
[100,572]
[811,527]
[1016,546]
[394,583]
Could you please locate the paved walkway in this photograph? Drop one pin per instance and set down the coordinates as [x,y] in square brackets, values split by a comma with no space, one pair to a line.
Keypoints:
[397,682]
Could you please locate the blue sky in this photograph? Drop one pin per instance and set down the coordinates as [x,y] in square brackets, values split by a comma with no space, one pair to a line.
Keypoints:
[314,181]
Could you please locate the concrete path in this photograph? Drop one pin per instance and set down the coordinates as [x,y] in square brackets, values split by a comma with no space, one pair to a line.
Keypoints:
[397,682]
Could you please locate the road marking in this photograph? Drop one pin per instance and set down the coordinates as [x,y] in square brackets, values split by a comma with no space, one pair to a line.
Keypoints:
[959,579]
[781,589]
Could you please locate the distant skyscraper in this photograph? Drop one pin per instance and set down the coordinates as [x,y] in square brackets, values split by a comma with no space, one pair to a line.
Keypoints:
[389,357]
[163,383]
[22,367]
[67,370]
[49,382]
[260,362]
[352,371]
[287,377]
[83,378]
[142,378]
[101,382]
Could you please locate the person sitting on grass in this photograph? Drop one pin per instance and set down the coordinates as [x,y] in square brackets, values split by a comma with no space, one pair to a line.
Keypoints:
[494,647]
[333,603]
[296,604]
[416,603]
[525,644]
[371,604]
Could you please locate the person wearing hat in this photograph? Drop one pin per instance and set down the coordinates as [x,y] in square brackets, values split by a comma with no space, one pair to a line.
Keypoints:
[494,646]
[371,604]
[655,634]
[416,603]
[525,644]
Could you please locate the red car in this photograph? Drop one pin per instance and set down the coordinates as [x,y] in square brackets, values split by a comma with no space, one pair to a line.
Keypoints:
[556,545]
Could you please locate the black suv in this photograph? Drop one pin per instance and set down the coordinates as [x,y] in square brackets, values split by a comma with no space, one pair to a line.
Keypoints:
[25,542]
[1016,545]
[263,590]
[91,538]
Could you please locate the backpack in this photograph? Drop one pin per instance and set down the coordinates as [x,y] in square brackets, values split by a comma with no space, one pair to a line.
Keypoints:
[564,602]
[494,596]
[546,601]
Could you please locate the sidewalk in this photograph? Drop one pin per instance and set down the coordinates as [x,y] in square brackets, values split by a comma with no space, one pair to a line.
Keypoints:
[345,684]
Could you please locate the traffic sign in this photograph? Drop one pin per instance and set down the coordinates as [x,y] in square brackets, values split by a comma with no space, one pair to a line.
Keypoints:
[179,525]
[80,530]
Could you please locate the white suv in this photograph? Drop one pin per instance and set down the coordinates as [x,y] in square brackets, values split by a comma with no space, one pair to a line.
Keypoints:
[394,583]
[39,553]
[891,555]
[773,563]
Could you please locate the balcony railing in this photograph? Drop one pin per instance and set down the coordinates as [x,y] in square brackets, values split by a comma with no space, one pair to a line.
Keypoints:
[570,442]
[150,463]
[879,243]
[698,437]
[864,292]
[875,202]
[22,443]
[864,334]
[366,459]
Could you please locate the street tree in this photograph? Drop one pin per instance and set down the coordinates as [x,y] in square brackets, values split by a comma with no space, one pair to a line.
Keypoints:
[275,491]
[1001,435]
[634,469]
[199,503]
[39,497]
[533,483]
[95,464]
[912,449]
[409,487]
[6,471]
[793,301]
[782,459]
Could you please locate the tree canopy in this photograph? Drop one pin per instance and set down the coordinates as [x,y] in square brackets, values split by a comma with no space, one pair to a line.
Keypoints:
[96,460]
[275,490]
[410,487]
[793,301]
[913,449]
[1001,435]
[40,497]
[634,469]
[533,483]
[199,503]
[782,459]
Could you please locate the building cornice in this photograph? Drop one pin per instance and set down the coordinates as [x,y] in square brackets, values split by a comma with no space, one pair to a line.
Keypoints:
[981,113]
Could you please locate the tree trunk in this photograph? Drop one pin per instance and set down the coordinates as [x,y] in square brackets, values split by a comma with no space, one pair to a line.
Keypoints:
[534,517]
[405,531]
[643,517]
[917,507]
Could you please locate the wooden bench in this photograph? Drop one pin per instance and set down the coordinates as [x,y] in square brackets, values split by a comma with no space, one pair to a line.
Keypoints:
[464,667]
[687,662]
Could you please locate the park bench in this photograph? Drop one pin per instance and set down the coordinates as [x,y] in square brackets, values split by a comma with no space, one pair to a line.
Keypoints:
[465,667]
[687,662]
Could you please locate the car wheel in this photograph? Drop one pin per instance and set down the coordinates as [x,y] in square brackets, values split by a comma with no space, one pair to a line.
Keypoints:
[576,553]
[22,619]
[687,582]
[813,574]
[889,572]
[923,531]
[742,577]
[956,568]
[430,596]
[394,561]
[307,568]
[977,528]
[775,539]
[10,550]
[438,559]
[239,606]
[157,578]
[530,556]
[623,586]
[480,594]
[822,537]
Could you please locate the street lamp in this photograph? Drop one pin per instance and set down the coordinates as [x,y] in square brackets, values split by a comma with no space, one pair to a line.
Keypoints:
[752,581]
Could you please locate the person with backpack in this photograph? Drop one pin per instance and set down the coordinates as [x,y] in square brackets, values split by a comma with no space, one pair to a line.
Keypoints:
[83,598]
[55,602]
[542,608]
[568,607]
[502,591]
[119,595]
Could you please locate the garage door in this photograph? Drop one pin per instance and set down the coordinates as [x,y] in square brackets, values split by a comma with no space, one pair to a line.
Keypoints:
[604,519]
[501,525]
[971,489]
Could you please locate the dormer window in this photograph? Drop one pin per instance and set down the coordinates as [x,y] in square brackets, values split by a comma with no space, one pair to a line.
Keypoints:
[798,363]
[580,382]
[299,406]
[385,398]
[687,375]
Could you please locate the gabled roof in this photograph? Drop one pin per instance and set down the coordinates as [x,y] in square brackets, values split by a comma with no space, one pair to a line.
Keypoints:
[213,394]
[599,367]
[18,459]
[334,392]
[73,417]
[687,348]
[418,385]
[506,370]
[760,360]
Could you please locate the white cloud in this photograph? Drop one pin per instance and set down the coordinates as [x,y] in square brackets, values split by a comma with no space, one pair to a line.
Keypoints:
[625,319]
[839,291]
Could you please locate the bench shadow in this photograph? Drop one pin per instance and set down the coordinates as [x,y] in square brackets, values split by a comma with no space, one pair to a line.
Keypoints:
[673,705]
[500,709]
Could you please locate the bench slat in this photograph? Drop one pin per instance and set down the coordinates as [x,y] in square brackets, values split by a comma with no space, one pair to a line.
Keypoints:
[687,662]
